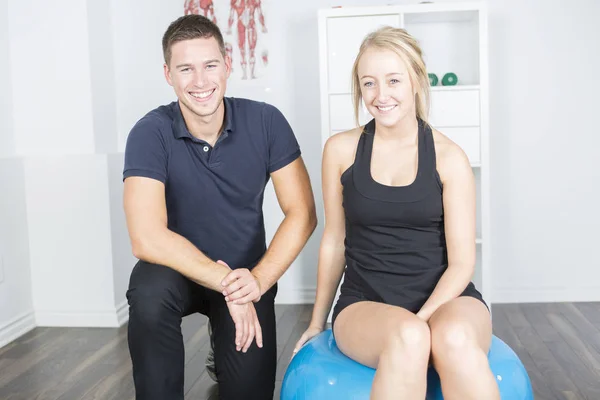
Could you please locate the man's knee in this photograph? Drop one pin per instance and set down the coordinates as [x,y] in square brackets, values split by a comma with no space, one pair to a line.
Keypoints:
[153,296]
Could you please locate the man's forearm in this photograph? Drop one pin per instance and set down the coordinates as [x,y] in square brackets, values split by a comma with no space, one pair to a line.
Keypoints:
[290,238]
[172,250]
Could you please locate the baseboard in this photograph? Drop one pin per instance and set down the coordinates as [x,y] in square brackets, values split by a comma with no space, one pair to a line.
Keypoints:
[98,319]
[544,294]
[122,313]
[16,328]
[295,296]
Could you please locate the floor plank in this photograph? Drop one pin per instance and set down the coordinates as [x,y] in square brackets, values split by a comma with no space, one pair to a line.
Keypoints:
[532,336]
[591,311]
[579,364]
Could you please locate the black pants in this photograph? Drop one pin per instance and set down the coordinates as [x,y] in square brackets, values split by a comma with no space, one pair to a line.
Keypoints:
[158,299]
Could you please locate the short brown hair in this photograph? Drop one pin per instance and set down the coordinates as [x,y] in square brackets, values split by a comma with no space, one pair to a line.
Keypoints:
[187,27]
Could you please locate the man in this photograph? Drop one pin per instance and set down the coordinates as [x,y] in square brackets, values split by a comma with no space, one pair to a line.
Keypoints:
[194,178]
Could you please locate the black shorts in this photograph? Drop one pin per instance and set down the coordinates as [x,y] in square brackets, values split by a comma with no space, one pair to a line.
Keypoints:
[351,296]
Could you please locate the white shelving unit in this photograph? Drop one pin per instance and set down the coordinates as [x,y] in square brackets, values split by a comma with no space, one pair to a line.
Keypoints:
[453,37]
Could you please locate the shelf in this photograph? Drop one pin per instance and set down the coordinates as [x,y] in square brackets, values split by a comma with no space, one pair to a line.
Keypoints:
[448,45]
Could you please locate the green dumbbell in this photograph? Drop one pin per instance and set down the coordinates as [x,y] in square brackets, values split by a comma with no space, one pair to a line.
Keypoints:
[433,79]
[449,79]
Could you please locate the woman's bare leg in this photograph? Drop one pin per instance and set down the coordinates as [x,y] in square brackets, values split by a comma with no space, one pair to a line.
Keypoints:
[461,333]
[391,339]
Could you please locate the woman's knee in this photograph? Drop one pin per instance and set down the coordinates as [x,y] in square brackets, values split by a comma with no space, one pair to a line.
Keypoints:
[453,339]
[409,336]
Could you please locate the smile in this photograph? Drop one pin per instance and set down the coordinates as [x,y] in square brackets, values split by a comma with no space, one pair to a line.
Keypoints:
[386,108]
[202,95]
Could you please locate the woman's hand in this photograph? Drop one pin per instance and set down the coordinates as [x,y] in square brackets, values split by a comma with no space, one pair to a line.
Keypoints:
[311,332]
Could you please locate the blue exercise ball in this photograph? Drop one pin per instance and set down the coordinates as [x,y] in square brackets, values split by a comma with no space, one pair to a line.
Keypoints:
[320,371]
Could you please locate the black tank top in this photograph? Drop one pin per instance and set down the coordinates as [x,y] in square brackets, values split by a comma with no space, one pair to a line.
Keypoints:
[395,245]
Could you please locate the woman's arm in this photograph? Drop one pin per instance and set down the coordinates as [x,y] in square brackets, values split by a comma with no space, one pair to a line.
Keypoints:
[338,154]
[459,219]
[331,251]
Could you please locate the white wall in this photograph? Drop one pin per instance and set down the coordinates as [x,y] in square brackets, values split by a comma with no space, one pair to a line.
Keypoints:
[102,76]
[49,58]
[544,81]
[104,26]
[16,308]
[70,240]
[7,143]
[122,258]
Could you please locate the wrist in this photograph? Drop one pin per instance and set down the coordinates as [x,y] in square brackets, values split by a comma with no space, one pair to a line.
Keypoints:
[231,306]
[222,271]
[263,284]
[316,325]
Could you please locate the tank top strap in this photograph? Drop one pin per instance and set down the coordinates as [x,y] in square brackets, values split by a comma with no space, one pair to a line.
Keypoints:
[426,150]
[362,157]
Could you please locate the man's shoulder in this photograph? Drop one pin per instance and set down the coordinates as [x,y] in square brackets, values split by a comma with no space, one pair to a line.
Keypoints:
[163,114]
[251,107]
[158,120]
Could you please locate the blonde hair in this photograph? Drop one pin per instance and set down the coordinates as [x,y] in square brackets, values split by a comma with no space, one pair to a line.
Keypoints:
[407,48]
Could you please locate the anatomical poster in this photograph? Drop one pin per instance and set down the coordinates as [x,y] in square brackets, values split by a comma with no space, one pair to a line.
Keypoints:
[244,26]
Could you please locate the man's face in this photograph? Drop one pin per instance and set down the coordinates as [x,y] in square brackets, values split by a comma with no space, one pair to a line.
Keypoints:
[198,73]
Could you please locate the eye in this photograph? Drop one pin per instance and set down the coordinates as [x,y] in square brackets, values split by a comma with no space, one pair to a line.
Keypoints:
[211,66]
[368,84]
[394,81]
[187,69]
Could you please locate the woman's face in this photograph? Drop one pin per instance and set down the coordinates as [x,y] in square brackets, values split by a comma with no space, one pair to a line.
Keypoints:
[386,87]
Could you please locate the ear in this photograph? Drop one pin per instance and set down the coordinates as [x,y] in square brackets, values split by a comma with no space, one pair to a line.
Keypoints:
[227,66]
[167,72]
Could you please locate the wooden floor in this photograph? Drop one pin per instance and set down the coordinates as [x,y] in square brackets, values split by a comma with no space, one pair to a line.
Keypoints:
[558,343]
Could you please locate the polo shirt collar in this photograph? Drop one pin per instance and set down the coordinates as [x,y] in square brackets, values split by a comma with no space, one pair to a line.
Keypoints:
[180,130]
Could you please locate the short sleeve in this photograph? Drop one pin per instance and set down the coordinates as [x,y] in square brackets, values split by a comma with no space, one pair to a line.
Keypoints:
[283,145]
[145,151]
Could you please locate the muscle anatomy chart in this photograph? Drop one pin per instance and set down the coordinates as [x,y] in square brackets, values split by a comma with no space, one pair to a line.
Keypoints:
[244,29]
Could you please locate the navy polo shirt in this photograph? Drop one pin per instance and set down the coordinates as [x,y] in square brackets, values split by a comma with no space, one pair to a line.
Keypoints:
[214,195]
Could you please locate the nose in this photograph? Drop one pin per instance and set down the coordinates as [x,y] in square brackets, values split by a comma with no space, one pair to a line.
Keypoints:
[383,93]
[201,78]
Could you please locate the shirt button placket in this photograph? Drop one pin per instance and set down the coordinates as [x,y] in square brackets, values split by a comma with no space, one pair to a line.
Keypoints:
[207,153]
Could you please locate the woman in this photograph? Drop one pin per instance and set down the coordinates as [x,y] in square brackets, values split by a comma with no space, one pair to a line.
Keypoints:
[400,206]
